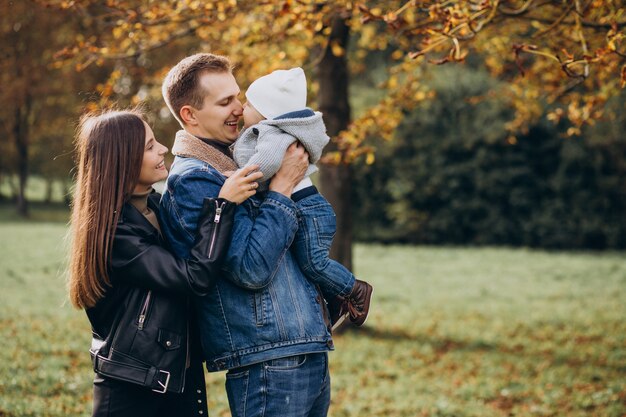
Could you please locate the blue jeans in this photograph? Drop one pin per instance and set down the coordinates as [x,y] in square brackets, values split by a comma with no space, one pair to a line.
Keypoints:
[295,386]
[317,225]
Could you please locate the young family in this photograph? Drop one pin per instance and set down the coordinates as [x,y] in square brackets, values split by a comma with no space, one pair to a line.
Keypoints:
[229,267]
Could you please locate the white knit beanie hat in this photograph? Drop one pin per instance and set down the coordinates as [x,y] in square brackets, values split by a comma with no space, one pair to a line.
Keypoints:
[279,92]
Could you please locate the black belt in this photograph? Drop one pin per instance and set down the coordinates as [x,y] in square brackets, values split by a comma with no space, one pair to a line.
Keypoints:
[147,376]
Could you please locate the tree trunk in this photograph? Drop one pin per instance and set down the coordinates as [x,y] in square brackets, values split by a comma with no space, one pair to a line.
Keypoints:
[21,144]
[336,181]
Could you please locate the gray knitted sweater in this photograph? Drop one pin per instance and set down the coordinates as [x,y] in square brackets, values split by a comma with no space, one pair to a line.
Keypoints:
[266,142]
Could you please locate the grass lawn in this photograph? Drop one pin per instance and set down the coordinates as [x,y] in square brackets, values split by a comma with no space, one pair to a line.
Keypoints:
[453,332]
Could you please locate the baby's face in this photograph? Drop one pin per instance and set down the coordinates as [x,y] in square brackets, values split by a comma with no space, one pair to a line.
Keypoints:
[250,115]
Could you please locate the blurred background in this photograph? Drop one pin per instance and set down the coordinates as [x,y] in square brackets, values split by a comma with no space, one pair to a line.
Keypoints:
[477,169]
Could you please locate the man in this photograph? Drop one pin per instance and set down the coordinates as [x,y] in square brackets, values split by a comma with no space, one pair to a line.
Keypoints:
[264,322]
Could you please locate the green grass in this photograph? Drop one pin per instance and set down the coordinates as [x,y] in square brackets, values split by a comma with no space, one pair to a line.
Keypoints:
[453,332]
[38,213]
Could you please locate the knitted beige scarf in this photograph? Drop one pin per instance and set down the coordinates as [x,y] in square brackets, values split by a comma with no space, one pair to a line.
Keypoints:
[188,145]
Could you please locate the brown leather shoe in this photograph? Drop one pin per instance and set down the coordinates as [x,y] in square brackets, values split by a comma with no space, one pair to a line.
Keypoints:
[359,302]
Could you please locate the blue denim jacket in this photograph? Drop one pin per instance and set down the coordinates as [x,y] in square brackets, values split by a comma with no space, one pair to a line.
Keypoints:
[263,307]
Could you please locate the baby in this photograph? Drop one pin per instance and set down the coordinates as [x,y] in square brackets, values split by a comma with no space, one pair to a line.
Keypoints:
[275,115]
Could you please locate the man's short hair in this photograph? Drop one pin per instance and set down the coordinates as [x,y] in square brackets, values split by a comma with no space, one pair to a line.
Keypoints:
[181,86]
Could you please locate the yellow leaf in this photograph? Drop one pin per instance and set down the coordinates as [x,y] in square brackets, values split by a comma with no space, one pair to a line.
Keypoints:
[419,96]
[337,49]
[118,32]
[611,45]
[573,131]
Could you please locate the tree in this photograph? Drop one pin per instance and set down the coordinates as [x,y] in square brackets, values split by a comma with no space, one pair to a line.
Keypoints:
[40,97]
[465,182]
[549,51]
[336,180]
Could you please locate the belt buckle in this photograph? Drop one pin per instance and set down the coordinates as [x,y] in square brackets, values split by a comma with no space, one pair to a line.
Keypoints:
[163,385]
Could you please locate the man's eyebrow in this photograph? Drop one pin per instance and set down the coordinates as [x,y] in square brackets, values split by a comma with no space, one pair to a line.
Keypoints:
[228,97]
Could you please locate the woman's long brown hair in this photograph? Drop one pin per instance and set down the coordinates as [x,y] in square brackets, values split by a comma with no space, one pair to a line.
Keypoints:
[109,151]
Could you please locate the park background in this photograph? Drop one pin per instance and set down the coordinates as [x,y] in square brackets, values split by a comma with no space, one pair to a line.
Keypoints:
[477,169]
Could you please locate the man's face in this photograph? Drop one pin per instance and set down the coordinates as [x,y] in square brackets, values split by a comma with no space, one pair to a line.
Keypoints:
[221,110]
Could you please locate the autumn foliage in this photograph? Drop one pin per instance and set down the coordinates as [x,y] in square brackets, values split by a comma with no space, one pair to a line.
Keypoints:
[554,59]
[568,55]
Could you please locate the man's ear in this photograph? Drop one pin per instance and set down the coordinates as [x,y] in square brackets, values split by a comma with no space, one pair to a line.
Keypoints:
[188,116]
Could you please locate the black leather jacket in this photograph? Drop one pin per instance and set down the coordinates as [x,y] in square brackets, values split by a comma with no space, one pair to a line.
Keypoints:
[141,327]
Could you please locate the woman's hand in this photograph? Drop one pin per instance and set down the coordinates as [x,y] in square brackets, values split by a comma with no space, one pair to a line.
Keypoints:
[241,184]
[292,170]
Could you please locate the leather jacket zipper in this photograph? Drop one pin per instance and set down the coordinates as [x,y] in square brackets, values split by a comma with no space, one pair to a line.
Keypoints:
[144,311]
[218,214]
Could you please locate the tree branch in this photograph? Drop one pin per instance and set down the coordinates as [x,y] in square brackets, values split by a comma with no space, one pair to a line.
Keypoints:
[144,49]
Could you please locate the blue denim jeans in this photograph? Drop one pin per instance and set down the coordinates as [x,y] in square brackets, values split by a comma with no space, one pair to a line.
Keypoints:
[317,225]
[295,386]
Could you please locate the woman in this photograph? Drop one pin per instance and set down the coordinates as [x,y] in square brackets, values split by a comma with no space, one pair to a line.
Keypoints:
[145,350]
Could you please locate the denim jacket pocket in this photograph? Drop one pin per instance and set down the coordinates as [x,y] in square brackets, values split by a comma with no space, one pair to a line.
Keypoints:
[260,307]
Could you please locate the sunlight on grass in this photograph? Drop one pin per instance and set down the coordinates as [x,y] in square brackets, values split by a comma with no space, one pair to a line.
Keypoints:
[453,332]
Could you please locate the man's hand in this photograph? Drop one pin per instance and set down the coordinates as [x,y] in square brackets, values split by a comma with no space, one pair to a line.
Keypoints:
[241,184]
[292,170]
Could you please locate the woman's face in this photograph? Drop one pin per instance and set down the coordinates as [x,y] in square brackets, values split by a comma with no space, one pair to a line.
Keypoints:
[153,165]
